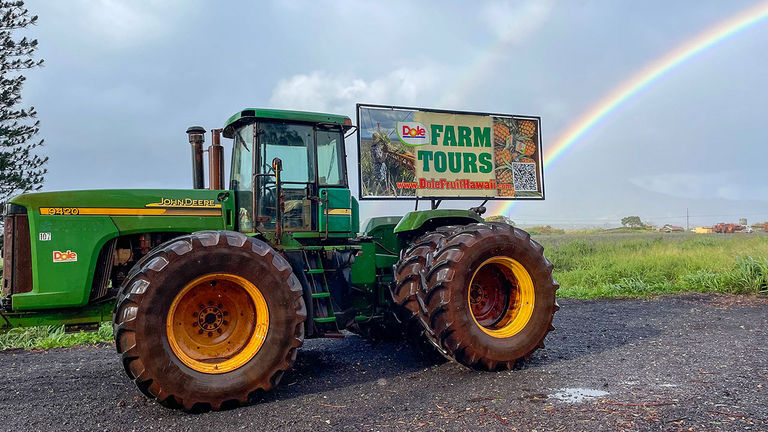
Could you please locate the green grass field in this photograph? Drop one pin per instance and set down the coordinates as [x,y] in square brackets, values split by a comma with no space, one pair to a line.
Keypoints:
[587,265]
[646,263]
[46,337]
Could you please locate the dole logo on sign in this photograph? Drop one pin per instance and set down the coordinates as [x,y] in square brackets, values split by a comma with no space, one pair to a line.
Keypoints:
[412,133]
[67,256]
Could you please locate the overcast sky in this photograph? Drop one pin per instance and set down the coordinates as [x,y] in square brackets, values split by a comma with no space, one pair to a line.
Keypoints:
[123,79]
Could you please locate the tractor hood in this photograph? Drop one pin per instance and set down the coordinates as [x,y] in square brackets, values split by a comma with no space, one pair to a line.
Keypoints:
[67,230]
[120,202]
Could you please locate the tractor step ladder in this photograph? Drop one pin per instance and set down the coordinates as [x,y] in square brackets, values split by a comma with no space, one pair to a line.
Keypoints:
[321,295]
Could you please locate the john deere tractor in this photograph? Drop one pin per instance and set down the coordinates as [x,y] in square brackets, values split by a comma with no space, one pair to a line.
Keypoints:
[212,291]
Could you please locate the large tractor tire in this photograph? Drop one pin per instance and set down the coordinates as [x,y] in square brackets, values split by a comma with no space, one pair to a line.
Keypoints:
[409,285]
[489,295]
[209,320]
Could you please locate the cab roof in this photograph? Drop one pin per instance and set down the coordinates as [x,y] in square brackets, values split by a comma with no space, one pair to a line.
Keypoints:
[249,115]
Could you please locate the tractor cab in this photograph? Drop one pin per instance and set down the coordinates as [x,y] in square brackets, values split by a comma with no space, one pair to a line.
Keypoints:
[288,170]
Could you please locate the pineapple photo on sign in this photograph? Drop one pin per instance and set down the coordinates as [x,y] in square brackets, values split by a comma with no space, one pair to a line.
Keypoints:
[516,156]
[411,153]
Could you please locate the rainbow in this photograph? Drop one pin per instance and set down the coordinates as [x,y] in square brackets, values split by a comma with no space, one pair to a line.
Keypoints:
[652,72]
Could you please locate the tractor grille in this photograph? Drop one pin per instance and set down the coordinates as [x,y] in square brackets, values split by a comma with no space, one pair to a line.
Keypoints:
[101,278]
[17,259]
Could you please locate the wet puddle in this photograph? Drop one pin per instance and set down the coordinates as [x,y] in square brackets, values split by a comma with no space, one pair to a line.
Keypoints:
[576,395]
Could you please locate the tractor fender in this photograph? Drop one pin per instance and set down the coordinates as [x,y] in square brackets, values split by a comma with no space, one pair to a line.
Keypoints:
[415,223]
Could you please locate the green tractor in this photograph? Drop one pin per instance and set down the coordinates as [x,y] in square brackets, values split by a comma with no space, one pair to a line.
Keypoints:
[213,291]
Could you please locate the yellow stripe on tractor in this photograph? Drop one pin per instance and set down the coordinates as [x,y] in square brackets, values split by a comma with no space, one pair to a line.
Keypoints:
[343,212]
[103,211]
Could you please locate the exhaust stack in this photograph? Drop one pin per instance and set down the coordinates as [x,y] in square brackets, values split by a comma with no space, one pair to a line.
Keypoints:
[216,161]
[196,139]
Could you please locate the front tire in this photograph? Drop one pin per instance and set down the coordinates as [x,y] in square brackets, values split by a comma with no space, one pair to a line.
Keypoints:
[208,320]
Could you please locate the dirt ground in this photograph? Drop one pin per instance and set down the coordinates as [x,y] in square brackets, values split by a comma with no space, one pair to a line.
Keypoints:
[689,362]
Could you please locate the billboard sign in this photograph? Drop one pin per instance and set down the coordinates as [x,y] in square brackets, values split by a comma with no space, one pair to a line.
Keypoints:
[408,153]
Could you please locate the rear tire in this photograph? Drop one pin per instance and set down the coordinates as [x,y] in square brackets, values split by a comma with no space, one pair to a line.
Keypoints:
[209,320]
[408,289]
[490,296]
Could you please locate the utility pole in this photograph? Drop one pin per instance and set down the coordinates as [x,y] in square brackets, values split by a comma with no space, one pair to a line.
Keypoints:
[687,220]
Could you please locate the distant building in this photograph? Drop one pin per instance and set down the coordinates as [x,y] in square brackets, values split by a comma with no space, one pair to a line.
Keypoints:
[703,230]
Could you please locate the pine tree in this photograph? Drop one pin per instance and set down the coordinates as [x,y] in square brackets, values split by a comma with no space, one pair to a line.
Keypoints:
[21,169]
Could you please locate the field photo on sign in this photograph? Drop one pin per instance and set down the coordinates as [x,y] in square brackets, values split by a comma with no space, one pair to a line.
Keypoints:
[385,162]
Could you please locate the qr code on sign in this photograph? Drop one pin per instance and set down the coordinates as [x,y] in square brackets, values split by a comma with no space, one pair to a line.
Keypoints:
[524,175]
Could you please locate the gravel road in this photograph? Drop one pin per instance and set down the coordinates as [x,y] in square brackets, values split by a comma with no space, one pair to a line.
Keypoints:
[671,363]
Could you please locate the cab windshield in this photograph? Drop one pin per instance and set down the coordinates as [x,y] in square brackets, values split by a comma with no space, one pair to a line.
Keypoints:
[293,144]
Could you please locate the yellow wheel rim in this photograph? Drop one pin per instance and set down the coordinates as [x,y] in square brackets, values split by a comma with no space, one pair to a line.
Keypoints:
[217,323]
[501,297]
